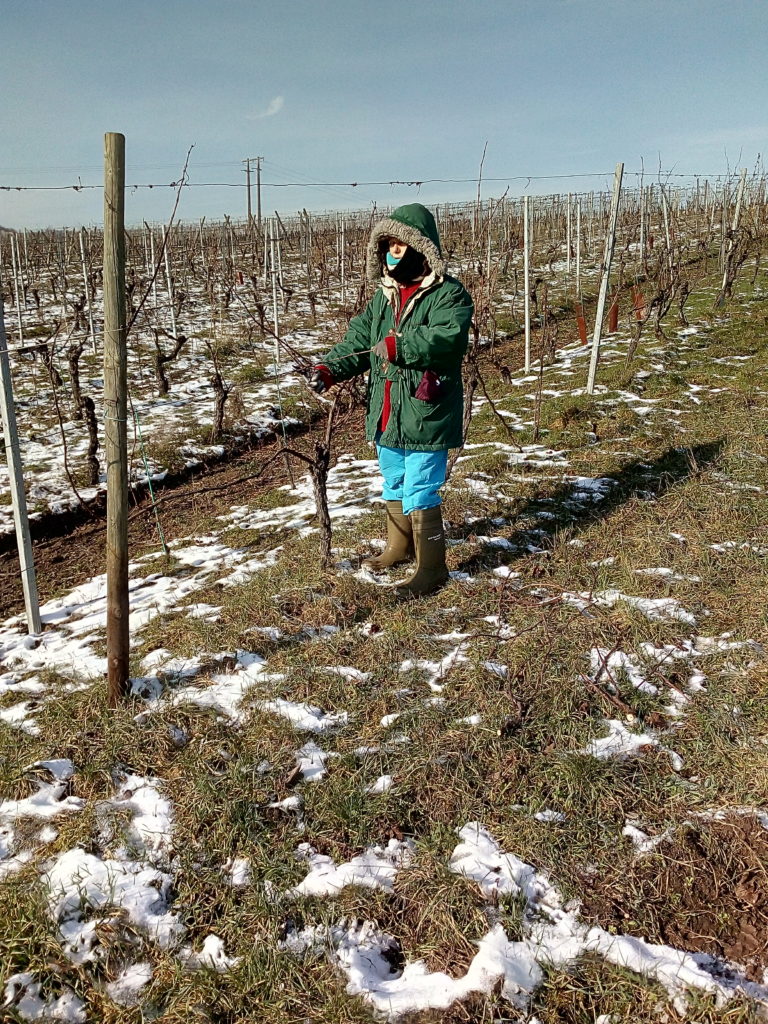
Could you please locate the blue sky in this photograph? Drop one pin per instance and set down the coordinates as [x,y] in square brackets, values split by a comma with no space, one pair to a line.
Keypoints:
[357,91]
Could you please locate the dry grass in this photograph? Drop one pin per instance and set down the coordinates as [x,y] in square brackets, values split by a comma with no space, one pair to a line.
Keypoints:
[680,475]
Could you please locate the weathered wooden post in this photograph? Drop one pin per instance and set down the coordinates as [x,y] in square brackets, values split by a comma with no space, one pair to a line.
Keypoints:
[13,455]
[115,411]
[527,285]
[603,293]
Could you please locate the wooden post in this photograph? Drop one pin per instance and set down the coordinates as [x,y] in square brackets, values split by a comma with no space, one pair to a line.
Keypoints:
[602,295]
[13,456]
[526,286]
[115,411]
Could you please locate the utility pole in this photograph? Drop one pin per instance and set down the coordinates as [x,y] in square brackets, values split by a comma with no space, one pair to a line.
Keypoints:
[115,413]
[248,188]
[258,191]
[248,161]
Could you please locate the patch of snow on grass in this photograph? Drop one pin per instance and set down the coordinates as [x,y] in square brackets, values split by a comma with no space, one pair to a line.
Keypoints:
[212,956]
[382,785]
[622,743]
[375,868]
[23,993]
[659,609]
[306,717]
[554,935]
[86,893]
[126,989]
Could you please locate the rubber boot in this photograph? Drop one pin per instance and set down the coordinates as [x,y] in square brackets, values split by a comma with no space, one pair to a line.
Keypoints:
[399,539]
[429,540]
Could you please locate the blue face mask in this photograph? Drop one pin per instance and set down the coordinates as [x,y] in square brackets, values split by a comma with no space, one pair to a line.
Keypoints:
[391,260]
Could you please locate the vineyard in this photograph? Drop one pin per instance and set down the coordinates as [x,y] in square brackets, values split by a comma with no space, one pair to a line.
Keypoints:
[222,316]
[538,795]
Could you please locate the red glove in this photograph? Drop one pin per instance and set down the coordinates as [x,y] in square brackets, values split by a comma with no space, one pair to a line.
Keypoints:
[320,379]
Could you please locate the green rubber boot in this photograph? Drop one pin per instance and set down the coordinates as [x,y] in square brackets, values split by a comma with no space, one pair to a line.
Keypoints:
[429,540]
[399,539]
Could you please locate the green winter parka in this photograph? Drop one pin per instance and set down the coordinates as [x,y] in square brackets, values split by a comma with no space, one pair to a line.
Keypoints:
[432,334]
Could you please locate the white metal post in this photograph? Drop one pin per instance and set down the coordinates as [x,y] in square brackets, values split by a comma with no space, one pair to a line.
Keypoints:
[169,279]
[578,249]
[607,257]
[275,309]
[568,237]
[667,236]
[343,262]
[13,455]
[642,224]
[88,296]
[730,241]
[202,244]
[15,262]
[154,275]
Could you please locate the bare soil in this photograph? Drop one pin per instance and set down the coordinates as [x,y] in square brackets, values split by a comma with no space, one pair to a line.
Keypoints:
[702,890]
[70,549]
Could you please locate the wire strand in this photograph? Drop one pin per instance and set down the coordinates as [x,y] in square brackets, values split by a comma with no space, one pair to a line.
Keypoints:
[411,183]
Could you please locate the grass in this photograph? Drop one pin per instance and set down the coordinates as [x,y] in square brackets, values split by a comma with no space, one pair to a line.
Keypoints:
[672,475]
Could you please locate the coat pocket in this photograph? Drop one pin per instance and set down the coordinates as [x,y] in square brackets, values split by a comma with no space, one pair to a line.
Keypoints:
[430,388]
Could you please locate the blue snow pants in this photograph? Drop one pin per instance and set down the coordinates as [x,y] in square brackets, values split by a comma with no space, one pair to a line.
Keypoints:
[413,477]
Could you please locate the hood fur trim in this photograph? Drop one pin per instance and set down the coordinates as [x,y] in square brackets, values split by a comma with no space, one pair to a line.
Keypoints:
[389,228]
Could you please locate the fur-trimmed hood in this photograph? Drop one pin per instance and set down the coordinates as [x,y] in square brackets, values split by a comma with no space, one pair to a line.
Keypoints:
[412,224]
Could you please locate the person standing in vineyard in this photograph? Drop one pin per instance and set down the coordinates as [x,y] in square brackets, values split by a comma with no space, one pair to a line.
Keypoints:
[411,337]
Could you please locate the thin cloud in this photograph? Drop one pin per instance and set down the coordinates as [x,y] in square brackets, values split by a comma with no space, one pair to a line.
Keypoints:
[755,134]
[274,107]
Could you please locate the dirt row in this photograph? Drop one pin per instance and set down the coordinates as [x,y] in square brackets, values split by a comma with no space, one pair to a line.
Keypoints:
[69,551]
